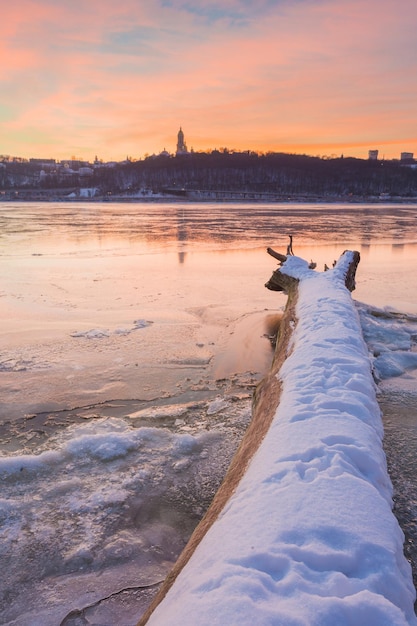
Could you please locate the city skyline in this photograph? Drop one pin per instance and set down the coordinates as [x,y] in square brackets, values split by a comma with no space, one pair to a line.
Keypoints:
[314,77]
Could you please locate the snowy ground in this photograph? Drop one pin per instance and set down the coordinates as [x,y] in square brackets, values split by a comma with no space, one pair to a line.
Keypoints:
[309,537]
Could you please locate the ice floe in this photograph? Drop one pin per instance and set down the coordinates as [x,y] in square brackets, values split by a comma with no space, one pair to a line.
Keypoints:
[98,333]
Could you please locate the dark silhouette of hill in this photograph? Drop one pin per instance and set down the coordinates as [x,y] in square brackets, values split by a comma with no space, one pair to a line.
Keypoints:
[284,175]
[278,173]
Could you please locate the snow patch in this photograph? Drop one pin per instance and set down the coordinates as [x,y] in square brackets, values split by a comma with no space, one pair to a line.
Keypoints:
[97,333]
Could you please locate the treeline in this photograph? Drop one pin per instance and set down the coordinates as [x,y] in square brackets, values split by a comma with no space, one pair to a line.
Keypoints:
[283,174]
[275,173]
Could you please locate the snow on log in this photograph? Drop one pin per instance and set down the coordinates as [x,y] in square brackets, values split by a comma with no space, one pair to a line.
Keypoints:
[301,532]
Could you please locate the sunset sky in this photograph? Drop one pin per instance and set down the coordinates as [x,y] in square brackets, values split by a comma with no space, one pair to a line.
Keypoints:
[118,78]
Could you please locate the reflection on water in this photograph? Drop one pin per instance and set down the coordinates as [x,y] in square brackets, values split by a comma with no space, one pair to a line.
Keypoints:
[77,277]
[105,224]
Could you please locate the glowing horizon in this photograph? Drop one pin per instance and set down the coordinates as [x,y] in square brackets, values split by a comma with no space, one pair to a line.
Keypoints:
[314,77]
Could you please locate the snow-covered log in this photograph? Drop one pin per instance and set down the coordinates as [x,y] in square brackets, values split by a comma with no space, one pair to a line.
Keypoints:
[301,532]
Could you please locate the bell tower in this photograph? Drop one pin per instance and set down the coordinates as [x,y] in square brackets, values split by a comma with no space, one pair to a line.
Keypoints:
[181,145]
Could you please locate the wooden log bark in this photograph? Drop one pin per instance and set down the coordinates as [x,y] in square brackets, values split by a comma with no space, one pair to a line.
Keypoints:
[265,401]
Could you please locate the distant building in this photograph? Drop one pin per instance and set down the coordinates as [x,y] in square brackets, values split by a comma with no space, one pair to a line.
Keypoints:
[407,156]
[181,145]
[373,155]
[74,164]
[44,163]
[85,171]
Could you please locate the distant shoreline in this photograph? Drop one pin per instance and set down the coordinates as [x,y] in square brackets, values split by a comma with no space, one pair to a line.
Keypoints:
[198,198]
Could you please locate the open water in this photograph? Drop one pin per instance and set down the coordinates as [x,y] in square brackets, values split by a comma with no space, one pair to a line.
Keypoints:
[132,336]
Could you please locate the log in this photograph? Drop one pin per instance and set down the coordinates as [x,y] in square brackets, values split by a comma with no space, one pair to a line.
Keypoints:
[249,462]
[265,400]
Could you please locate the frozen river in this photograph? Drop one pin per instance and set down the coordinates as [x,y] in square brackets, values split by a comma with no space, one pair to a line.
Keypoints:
[132,336]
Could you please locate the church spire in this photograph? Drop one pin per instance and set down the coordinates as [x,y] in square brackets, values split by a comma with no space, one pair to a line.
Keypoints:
[181,145]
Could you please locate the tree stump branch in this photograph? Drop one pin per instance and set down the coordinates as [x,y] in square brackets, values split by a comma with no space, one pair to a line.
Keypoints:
[281,281]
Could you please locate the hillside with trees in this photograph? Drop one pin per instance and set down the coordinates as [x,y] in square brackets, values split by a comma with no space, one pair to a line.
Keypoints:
[275,175]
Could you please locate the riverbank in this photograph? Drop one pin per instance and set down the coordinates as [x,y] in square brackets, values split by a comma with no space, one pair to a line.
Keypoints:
[193,196]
